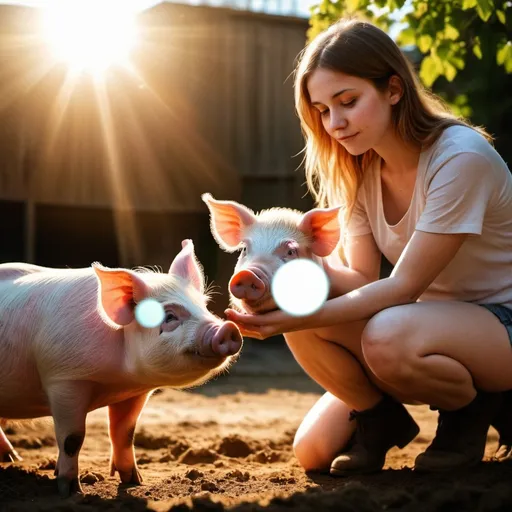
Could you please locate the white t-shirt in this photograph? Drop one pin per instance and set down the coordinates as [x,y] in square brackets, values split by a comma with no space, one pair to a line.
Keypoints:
[449,198]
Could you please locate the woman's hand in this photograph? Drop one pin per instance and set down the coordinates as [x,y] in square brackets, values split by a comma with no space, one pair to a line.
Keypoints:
[269,324]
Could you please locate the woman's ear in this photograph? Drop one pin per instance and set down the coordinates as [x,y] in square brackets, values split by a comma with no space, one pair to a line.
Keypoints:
[396,89]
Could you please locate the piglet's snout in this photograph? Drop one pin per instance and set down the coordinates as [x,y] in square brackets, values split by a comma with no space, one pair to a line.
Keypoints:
[221,340]
[247,285]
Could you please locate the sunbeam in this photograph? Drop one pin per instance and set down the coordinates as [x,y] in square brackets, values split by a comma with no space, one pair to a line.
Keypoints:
[127,129]
[90,34]
[127,234]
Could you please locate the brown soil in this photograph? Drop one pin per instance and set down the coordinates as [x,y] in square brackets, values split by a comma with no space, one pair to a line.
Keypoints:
[228,445]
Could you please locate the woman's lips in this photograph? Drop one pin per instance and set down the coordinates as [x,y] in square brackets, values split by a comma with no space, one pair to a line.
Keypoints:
[341,139]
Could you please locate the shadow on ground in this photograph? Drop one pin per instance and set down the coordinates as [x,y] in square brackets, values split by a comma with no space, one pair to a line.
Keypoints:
[485,488]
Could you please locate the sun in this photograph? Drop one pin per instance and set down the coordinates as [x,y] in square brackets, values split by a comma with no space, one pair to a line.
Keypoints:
[90,35]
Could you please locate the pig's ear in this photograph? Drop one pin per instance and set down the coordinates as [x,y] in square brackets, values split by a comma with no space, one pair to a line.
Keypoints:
[119,291]
[228,220]
[323,226]
[186,265]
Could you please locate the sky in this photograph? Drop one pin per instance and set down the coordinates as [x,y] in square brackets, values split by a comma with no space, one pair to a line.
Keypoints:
[287,7]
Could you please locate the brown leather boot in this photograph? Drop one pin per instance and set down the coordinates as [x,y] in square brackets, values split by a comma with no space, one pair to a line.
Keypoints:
[502,422]
[460,436]
[378,429]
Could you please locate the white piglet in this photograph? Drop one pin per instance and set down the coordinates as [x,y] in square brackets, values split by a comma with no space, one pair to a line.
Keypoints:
[267,241]
[70,343]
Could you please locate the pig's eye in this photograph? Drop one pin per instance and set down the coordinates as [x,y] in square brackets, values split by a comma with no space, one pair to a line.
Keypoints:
[170,317]
[291,252]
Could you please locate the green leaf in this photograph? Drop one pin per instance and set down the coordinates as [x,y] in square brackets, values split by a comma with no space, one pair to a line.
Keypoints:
[501,16]
[477,49]
[450,32]
[421,9]
[504,55]
[449,71]
[352,5]
[428,26]
[461,100]
[484,8]
[406,37]
[443,50]
[429,71]
[457,61]
[468,4]
[424,43]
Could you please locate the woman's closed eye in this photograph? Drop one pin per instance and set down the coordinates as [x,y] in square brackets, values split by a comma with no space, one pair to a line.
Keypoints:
[349,103]
[346,104]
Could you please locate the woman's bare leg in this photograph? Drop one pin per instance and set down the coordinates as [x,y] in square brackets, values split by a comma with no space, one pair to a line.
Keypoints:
[323,433]
[439,352]
[329,357]
[431,352]
[330,362]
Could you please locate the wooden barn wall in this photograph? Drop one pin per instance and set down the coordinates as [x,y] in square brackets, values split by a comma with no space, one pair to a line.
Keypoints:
[213,103]
[114,171]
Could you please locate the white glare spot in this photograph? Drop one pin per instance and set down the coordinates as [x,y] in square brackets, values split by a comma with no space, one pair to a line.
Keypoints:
[149,313]
[300,287]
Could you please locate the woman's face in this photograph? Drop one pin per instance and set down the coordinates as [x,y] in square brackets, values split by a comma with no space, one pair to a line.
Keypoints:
[352,110]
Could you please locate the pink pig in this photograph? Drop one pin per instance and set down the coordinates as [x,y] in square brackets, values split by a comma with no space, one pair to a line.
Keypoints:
[69,344]
[267,241]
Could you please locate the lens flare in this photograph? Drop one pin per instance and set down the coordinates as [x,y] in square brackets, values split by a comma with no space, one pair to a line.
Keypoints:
[300,287]
[149,313]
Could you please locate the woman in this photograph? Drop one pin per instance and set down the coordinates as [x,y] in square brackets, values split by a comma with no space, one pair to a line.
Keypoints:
[429,192]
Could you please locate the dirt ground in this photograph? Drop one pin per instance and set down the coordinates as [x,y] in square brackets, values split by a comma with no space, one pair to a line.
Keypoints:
[228,445]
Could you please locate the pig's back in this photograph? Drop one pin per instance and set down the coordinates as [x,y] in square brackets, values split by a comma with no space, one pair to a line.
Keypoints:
[42,315]
[9,271]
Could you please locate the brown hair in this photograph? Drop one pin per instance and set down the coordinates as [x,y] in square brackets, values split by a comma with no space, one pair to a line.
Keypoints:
[358,48]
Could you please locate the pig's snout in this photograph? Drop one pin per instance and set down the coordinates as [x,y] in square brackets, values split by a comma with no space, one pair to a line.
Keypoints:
[221,340]
[247,285]
[227,341]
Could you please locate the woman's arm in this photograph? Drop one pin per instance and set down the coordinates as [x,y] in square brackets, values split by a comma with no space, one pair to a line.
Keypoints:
[363,257]
[424,257]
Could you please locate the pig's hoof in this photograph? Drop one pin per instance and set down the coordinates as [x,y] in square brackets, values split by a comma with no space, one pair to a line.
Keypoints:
[132,477]
[68,487]
[11,456]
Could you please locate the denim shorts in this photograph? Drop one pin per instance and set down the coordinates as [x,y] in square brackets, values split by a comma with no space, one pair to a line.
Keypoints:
[504,315]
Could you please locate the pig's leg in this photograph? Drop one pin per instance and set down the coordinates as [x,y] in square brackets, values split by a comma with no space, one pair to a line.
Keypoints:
[69,403]
[7,452]
[123,418]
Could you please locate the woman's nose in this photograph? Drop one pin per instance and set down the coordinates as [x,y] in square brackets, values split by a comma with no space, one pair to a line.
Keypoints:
[338,123]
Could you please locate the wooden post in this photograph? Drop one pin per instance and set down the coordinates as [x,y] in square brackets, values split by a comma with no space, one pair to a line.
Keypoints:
[30,230]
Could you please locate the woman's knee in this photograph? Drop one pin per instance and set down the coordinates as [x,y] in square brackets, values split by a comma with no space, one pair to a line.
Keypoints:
[323,432]
[386,345]
[311,453]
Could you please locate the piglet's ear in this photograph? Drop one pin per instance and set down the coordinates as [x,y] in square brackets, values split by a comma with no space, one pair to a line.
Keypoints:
[228,221]
[323,226]
[186,265]
[119,291]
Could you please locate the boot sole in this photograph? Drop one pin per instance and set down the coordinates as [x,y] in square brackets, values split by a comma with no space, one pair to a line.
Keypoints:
[355,472]
[425,469]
